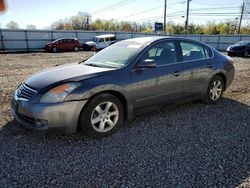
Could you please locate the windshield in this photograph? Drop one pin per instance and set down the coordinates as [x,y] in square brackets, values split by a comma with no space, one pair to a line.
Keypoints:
[116,55]
[95,39]
[242,43]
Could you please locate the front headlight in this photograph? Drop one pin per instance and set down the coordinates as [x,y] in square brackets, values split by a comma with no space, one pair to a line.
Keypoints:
[59,93]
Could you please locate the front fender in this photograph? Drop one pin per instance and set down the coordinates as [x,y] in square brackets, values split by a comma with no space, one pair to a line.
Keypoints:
[109,88]
[86,93]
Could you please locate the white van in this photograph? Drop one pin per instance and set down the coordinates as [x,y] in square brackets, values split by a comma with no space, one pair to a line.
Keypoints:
[100,42]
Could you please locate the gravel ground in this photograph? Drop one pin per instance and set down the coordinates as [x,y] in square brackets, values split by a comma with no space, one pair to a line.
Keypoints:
[184,145]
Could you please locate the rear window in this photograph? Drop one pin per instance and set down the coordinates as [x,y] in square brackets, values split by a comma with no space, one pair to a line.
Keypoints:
[192,51]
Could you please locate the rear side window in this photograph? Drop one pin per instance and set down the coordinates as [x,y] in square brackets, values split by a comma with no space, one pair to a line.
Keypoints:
[163,53]
[191,51]
[112,38]
[70,40]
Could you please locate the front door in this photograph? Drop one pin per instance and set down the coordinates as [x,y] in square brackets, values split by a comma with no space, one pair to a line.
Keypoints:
[159,84]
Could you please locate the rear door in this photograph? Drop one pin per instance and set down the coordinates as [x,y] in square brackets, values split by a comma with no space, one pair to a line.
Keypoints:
[197,64]
[159,84]
[70,44]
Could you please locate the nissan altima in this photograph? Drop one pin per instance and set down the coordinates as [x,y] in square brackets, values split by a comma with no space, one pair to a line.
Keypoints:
[97,95]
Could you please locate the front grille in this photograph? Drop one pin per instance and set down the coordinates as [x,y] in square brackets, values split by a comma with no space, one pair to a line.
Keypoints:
[26,92]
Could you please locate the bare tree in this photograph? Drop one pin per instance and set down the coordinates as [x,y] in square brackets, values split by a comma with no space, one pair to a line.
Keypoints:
[12,25]
[30,26]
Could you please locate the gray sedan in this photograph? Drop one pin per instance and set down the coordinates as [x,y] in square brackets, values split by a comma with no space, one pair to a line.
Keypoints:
[98,94]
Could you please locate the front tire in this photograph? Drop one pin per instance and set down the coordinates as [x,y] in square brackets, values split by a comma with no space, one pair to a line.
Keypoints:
[103,116]
[246,54]
[215,90]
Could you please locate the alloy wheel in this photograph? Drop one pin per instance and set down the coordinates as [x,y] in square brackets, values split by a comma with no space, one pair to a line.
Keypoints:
[246,53]
[216,90]
[104,117]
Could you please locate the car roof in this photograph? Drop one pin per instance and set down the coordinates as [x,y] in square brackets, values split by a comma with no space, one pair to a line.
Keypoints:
[104,36]
[65,38]
[149,40]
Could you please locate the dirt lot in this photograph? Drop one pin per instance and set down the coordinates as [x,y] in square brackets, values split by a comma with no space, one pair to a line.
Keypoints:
[211,151]
[14,68]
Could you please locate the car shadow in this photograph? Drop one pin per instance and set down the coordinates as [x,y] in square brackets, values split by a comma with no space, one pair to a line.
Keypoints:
[190,145]
[246,57]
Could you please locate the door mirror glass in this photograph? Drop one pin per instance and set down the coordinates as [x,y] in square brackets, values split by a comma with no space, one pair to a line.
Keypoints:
[146,63]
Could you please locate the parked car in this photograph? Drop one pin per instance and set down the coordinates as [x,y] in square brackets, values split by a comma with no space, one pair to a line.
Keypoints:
[98,94]
[100,42]
[63,44]
[241,48]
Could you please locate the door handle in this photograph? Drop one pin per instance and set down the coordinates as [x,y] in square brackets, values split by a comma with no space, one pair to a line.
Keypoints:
[210,65]
[176,73]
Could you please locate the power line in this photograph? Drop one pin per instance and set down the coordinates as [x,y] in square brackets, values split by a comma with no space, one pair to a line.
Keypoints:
[179,13]
[219,3]
[113,6]
[146,11]
[149,10]
[215,8]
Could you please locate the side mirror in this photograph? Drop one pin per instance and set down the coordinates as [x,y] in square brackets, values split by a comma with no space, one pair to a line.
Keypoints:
[146,63]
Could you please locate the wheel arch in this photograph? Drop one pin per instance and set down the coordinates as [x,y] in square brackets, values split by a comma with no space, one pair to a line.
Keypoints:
[115,93]
[223,78]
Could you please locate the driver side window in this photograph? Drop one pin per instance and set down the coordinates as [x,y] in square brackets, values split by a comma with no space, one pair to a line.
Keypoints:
[163,53]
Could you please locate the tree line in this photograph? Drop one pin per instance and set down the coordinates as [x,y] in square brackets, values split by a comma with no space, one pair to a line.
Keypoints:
[82,21]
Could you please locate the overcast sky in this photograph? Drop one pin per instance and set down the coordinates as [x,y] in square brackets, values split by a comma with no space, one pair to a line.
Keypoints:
[44,12]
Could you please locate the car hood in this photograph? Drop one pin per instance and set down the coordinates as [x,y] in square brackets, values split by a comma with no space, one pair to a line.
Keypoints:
[90,43]
[49,78]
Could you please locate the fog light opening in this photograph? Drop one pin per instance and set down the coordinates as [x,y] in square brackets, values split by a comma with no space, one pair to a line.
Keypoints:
[42,123]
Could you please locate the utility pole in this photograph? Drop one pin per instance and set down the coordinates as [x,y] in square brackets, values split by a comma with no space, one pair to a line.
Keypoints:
[186,23]
[165,15]
[241,16]
[87,22]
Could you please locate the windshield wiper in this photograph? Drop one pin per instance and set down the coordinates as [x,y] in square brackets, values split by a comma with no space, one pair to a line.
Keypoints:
[100,65]
[92,64]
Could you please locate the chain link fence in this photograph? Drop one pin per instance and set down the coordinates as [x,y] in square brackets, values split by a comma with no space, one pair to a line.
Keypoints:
[35,40]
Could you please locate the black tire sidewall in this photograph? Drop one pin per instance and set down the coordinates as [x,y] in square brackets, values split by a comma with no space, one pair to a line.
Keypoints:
[85,117]
[208,98]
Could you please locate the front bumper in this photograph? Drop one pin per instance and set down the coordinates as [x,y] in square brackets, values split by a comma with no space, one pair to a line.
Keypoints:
[48,48]
[235,53]
[62,117]
[87,47]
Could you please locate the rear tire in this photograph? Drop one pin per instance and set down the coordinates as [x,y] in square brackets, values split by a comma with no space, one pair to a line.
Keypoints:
[215,90]
[246,54]
[103,116]
[54,50]
[76,49]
